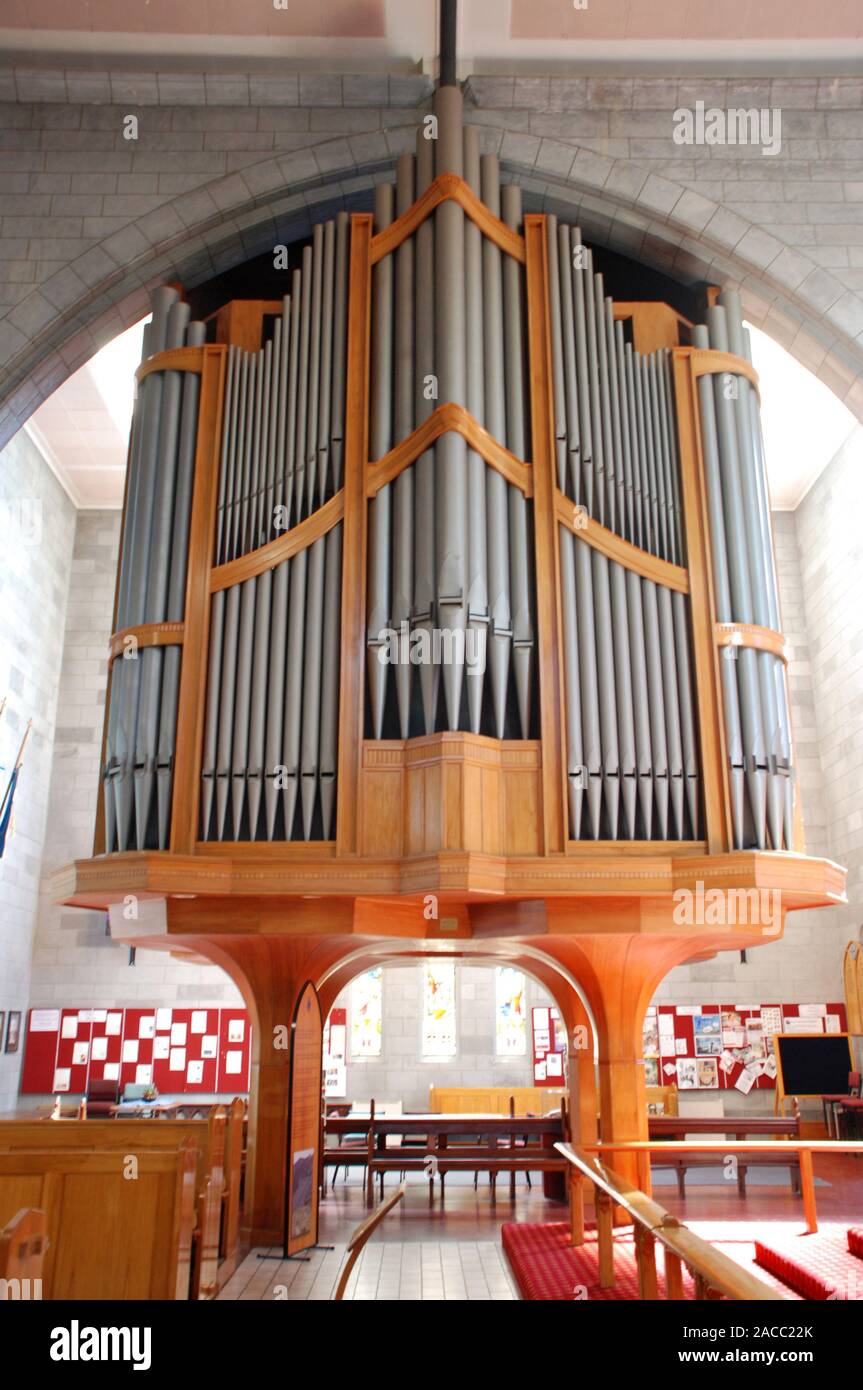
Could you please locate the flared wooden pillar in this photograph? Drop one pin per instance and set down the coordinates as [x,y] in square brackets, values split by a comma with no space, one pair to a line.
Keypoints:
[270,972]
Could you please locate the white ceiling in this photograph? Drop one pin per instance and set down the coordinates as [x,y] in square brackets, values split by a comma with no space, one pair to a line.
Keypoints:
[804,424]
[398,35]
[83,429]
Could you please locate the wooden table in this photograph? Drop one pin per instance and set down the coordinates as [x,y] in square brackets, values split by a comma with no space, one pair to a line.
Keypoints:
[450,1143]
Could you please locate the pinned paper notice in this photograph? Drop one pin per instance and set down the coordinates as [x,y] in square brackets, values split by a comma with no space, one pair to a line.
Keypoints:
[144,1075]
[130,1050]
[195,1073]
[69,1026]
[163,1020]
[199,1020]
[99,1015]
[62,1078]
[745,1081]
[539,1071]
[233,1063]
[831,1023]
[177,1059]
[178,1034]
[111,1071]
[210,1046]
[680,1046]
[236,1030]
[80,1053]
[670,1069]
[161,1049]
[727,1062]
[147,1026]
[554,1064]
[113,1024]
[99,1050]
[44,1020]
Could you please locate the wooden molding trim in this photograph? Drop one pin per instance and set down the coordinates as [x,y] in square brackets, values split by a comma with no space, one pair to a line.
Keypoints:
[614,547]
[448,416]
[182,359]
[353,649]
[763,639]
[707,361]
[146,635]
[654,325]
[266,557]
[193,672]
[702,609]
[447,186]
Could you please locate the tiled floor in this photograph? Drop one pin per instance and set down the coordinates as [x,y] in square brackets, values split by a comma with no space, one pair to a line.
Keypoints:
[452,1249]
[409,1270]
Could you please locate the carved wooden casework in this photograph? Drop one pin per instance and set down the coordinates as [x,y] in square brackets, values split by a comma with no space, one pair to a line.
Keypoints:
[476,825]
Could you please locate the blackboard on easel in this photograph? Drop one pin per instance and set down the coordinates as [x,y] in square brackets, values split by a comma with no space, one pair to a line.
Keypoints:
[811,1065]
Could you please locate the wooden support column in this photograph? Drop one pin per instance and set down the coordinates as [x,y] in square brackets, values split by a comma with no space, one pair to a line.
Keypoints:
[353,647]
[196,630]
[547,562]
[711,724]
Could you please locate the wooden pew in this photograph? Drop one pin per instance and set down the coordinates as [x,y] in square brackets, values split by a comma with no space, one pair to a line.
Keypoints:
[23,1243]
[135,1137]
[110,1236]
[732,1127]
[231,1189]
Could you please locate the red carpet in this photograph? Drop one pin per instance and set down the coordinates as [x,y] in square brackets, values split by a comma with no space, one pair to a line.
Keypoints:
[547,1267]
[819,1266]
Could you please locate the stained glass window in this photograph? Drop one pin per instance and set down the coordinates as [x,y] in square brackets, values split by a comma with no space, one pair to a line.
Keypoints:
[510,1030]
[366,1010]
[439,1037]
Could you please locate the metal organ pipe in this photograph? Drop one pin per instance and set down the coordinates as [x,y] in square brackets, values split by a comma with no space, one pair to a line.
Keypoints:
[450,539]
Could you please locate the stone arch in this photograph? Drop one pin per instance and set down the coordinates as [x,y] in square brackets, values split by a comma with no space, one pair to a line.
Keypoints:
[195,235]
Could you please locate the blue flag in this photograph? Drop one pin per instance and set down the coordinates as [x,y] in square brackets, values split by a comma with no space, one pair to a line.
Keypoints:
[7,809]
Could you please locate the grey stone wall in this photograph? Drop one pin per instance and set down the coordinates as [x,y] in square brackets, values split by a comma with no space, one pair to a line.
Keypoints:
[37,529]
[224,167]
[402,1074]
[74,961]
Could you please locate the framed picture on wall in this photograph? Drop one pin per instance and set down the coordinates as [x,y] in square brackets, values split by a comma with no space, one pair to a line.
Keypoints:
[13,1030]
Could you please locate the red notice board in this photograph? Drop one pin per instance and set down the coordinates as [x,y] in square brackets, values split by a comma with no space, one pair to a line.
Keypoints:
[235,1052]
[180,1051]
[735,1048]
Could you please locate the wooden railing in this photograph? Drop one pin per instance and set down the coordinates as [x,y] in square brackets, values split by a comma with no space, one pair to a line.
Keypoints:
[804,1148]
[713,1272]
[361,1235]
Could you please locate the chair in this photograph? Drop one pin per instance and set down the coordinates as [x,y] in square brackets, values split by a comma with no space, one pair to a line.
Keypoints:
[102,1096]
[831,1105]
[351,1144]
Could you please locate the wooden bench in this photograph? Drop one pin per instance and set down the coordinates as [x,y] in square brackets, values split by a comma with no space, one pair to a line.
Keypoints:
[738,1127]
[110,1236]
[451,1146]
[216,1232]
[23,1243]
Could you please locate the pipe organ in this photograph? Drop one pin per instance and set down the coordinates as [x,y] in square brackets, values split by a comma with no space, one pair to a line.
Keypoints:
[376,562]
[446,619]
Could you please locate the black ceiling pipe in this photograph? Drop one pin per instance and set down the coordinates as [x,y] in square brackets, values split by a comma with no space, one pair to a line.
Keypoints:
[447,43]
